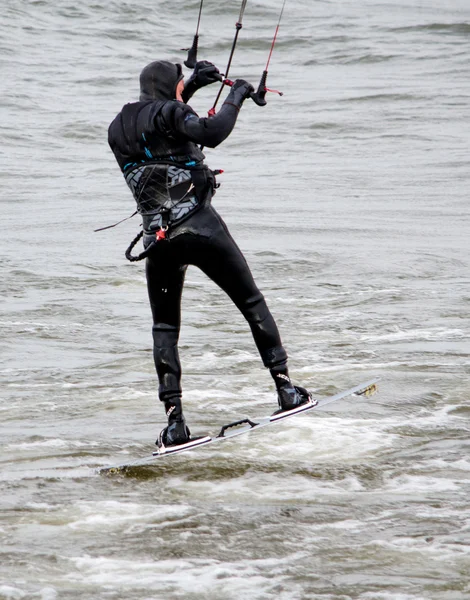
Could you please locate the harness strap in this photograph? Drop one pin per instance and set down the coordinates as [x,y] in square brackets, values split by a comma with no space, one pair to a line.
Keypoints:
[143,254]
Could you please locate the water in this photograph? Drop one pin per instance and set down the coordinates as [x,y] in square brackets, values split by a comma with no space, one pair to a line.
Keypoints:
[349,197]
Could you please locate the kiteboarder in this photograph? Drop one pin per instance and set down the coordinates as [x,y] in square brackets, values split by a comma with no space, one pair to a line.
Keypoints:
[156,142]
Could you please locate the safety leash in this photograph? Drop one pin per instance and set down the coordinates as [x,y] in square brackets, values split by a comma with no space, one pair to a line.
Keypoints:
[160,234]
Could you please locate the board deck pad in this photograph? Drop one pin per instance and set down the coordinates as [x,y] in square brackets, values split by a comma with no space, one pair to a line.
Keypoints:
[244,426]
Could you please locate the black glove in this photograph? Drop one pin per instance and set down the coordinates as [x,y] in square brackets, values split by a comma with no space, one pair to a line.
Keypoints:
[204,74]
[241,90]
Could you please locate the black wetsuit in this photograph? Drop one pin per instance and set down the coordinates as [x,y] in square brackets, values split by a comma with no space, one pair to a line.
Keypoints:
[155,144]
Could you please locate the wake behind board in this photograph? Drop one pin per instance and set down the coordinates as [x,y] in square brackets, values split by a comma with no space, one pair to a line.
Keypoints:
[368,388]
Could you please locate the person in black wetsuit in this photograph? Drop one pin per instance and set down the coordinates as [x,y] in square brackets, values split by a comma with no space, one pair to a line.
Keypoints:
[155,142]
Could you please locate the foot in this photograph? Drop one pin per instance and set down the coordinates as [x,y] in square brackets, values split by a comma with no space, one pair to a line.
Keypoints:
[292,396]
[174,435]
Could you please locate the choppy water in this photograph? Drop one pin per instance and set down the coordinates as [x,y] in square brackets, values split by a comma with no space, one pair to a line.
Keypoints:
[349,197]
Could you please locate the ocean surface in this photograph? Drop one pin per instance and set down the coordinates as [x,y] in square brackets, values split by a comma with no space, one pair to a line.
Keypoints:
[349,196]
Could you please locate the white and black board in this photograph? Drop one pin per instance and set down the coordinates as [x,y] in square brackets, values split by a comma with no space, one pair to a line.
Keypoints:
[243,426]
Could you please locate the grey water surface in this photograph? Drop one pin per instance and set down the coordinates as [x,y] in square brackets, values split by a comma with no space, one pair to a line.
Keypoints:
[349,197]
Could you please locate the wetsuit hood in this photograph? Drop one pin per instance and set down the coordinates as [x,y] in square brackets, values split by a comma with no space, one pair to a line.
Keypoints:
[159,79]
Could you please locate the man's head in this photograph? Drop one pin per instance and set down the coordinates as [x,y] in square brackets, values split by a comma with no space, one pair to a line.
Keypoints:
[161,80]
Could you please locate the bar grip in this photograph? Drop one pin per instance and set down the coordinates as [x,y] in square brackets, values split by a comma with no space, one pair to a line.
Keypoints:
[259,97]
[190,62]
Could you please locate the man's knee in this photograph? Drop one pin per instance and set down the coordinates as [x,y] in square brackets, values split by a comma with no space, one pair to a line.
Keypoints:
[255,309]
[165,335]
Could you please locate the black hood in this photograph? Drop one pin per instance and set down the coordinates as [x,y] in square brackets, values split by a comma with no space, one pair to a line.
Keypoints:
[159,79]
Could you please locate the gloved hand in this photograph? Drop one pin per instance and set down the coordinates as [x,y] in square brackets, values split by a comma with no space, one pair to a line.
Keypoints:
[240,91]
[204,74]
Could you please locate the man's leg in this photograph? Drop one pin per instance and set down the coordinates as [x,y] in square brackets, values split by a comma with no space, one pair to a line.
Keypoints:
[224,263]
[165,281]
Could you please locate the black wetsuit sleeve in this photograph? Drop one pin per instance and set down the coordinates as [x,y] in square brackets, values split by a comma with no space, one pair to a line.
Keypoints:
[179,120]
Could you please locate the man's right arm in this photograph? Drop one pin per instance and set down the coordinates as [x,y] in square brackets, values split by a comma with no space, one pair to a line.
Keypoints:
[180,120]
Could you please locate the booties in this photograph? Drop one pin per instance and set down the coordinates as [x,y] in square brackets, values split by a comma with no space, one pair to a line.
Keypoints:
[291,396]
[176,433]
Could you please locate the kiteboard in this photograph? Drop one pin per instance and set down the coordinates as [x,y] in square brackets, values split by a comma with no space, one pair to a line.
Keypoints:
[243,426]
